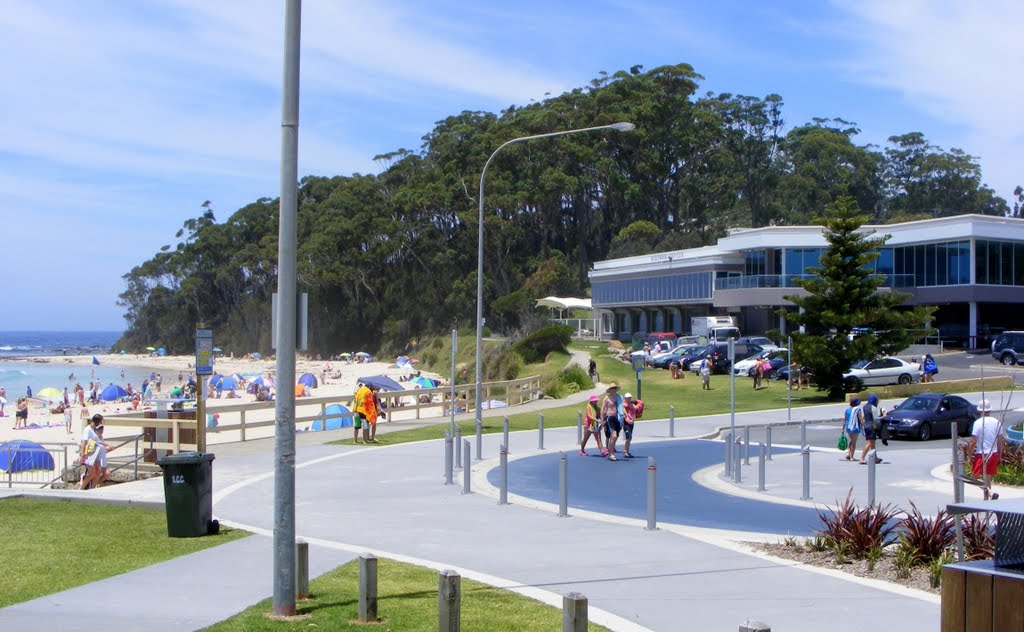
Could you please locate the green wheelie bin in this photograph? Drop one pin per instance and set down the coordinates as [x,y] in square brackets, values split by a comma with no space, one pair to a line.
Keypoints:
[188,494]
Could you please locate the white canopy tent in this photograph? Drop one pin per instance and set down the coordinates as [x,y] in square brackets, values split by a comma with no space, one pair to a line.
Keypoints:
[585,327]
[564,303]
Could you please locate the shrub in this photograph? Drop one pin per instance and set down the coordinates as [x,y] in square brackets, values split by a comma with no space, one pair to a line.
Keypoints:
[979,538]
[904,561]
[575,374]
[536,346]
[861,529]
[1011,466]
[926,537]
[935,567]
[873,555]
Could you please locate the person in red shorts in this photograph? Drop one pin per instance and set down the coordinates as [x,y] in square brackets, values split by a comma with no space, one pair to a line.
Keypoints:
[986,442]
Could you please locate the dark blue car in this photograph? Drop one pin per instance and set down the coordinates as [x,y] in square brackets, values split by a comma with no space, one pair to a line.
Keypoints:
[931,414]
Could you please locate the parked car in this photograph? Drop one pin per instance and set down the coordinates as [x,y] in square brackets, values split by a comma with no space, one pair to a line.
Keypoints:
[719,352]
[762,341]
[930,414]
[881,371]
[662,360]
[1008,347]
[745,368]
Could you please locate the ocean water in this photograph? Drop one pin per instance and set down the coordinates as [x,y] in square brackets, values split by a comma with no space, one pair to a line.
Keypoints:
[17,375]
[15,344]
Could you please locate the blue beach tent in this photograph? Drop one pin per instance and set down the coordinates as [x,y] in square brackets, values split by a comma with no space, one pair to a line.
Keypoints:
[334,418]
[309,380]
[24,456]
[113,393]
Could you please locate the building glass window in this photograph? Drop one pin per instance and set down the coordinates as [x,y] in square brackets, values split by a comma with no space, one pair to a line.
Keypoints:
[691,286]
[754,262]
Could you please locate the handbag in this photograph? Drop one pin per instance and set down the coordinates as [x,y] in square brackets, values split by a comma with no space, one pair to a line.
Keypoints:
[842,443]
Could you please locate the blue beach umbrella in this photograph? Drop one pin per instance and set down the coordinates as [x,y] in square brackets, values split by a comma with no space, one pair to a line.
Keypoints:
[383,382]
[113,393]
[309,380]
[160,352]
[423,382]
[24,456]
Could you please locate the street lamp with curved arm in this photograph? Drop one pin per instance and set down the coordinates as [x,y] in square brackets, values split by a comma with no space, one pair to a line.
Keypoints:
[618,127]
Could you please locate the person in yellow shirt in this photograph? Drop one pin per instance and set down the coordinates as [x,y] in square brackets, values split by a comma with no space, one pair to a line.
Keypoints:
[363,405]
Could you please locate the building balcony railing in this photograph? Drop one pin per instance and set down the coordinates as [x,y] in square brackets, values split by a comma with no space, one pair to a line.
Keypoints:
[750,281]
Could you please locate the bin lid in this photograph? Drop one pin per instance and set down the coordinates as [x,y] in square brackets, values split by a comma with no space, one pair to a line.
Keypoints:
[185,458]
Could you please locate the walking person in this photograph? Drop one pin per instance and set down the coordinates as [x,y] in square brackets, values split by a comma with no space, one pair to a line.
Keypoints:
[611,411]
[852,427]
[362,405]
[592,426]
[929,369]
[706,368]
[628,419]
[21,414]
[93,451]
[871,419]
[986,442]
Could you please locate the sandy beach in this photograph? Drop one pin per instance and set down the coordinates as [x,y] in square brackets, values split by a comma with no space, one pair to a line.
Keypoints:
[341,381]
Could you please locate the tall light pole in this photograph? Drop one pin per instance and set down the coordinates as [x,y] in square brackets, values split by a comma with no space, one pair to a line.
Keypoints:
[618,127]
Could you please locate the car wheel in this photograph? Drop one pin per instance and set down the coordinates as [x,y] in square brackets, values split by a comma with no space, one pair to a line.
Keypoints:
[905,379]
[1008,359]
[773,374]
[924,433]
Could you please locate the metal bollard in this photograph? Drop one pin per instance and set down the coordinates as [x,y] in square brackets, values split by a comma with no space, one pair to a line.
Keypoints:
[768,440]
[760,467]
[449,601]
[728,455]
[301,569]
[652,499]
[540,431]
[458,453]
[466,471]
[871,478]
[672,421]
[367,588]
[579,428]
[448,458]
[803,432]
[479,442]
[563,485]
[960,476]
[746,445]
[503,486]
[737,463]
[955,465]
[805,454]
[574,613]
[504,431]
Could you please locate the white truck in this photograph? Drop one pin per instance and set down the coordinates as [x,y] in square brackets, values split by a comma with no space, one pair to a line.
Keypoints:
[714,328]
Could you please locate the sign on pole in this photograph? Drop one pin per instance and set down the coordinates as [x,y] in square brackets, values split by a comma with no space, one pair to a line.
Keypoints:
[204,352]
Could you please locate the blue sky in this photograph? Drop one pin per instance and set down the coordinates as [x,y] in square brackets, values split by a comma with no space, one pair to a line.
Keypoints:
[122,118]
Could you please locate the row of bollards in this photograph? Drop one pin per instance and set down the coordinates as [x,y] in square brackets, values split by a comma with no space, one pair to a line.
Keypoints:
[575,616]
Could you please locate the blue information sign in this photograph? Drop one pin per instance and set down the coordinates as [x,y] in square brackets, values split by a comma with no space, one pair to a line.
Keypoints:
[204,352]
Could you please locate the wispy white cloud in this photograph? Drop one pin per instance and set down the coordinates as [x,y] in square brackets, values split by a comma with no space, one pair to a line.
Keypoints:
[955,61]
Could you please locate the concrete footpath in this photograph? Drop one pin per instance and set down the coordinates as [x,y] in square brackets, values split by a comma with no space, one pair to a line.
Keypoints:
[392,501]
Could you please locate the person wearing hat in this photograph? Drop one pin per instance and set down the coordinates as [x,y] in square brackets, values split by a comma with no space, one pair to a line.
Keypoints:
[853,425]
[611,414]
[628,417]
[871,419]
[986,442]
[706,368]
[592,426]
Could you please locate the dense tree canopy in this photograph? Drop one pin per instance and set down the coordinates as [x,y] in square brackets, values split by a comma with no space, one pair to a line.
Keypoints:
[389,256]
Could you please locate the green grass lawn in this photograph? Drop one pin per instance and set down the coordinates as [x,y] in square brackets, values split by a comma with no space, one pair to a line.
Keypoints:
[407,601]
[659,391]
[53,545]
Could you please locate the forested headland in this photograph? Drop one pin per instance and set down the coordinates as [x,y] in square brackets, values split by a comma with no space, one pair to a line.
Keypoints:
[389,257]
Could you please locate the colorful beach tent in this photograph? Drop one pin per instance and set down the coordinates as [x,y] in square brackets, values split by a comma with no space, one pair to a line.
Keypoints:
[384,382]
[309,380]
[24,456]
[335,417]
[113,393]
[256,356]
[160,352]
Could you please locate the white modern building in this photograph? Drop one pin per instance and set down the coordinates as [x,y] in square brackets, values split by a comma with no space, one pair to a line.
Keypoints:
[970,266]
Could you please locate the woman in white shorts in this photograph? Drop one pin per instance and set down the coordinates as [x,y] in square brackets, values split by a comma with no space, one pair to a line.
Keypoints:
[94,452]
